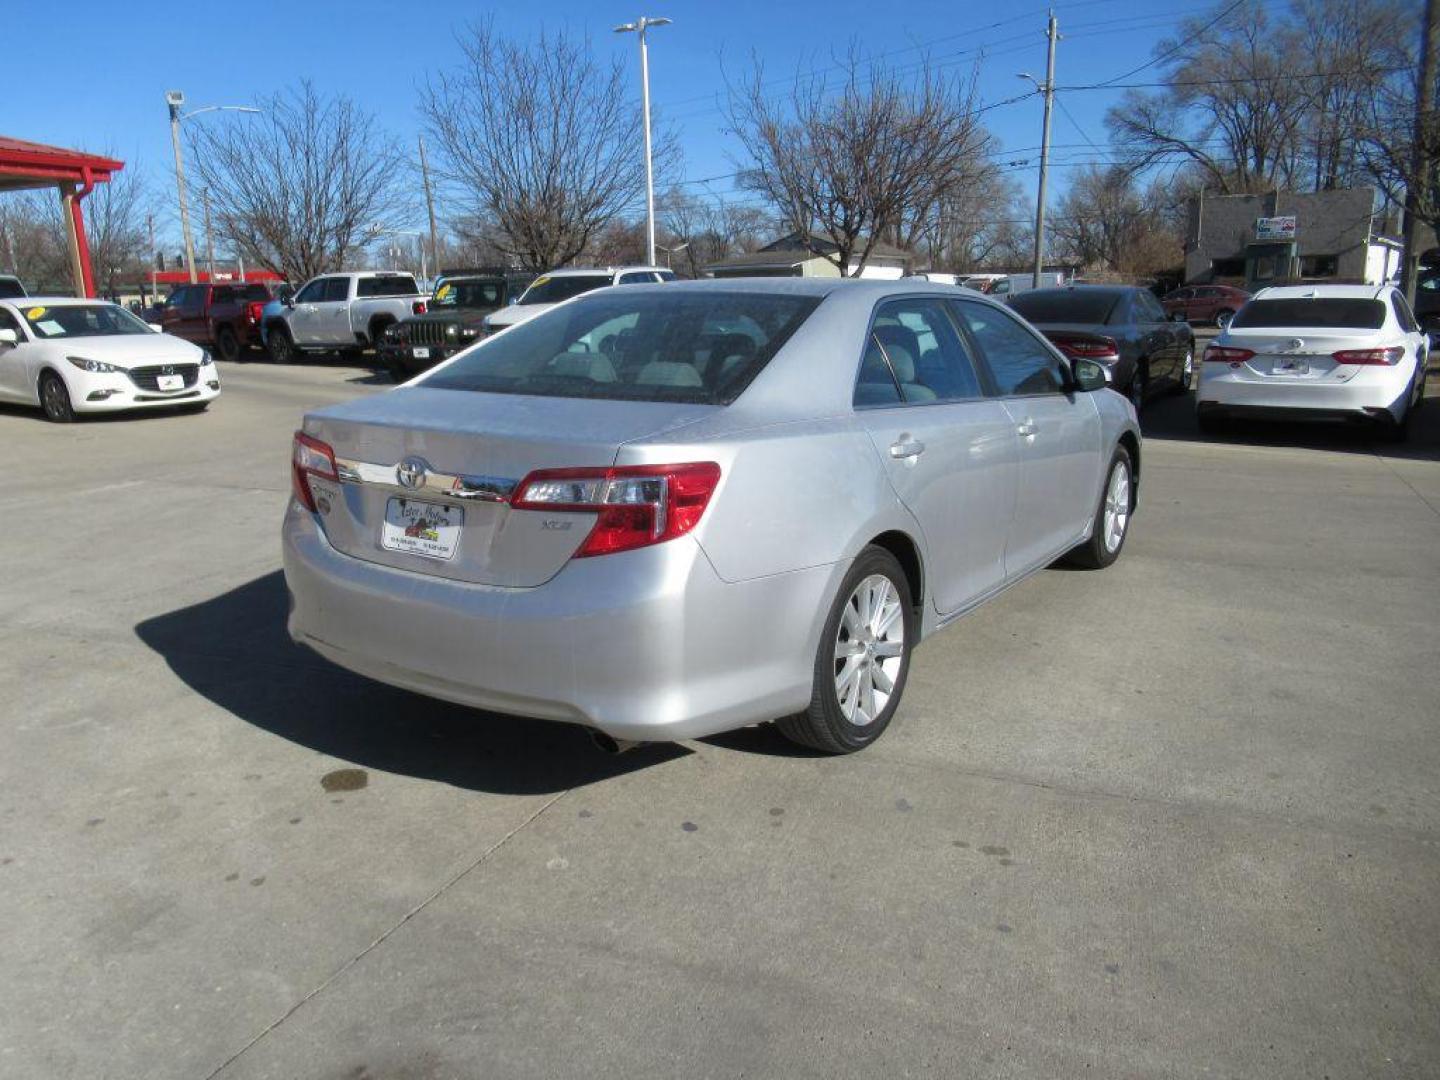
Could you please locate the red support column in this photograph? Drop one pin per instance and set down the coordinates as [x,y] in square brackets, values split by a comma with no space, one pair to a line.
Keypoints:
[82,245]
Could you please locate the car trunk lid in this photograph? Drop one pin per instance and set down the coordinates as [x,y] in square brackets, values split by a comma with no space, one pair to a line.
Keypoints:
[1291,354]
[490,442]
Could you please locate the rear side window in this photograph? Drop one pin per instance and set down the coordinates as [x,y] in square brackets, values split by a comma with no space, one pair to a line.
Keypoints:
[702,348]
[1402,313]
[1355,313]
[926,356]
[9,322]
[222,294]
[396,285]
[1065,305]
[1020,363]
[10,287]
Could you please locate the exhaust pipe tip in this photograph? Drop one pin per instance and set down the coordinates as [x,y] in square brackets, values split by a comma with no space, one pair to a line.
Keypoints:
[611,745]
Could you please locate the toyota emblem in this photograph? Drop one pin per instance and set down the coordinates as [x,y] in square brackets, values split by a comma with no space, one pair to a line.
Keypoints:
[411,472]
[1297,343]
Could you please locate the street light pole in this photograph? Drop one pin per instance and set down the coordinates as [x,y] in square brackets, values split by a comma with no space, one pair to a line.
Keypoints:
[639,27]
[1048,89]
[175,99]
[209,236]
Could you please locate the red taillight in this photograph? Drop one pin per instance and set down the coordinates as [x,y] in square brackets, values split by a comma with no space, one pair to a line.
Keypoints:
[253,311]
[635,506]
[1384,357]
[1087,347]
[418,307]
[309,456]
[1225,354]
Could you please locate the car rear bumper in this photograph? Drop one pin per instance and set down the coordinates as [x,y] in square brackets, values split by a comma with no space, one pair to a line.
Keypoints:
[1369,395]
[648,645]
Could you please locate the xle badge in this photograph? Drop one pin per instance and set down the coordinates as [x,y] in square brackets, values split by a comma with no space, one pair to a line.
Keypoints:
[559,526]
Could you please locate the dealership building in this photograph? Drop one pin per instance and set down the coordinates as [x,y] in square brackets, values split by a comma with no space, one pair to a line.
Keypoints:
[1285,236]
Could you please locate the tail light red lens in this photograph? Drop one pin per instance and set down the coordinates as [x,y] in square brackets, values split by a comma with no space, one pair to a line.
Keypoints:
[418,307]
[1226,354]
[309,456]
[1383,357]
[253,311]
[1087,347]
[635,506]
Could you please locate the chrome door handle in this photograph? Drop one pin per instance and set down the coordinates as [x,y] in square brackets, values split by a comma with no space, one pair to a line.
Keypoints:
[904,447]
[1027,429]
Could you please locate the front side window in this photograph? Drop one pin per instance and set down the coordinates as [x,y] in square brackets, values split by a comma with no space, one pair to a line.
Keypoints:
[634,345]
[9,322]
[312,292]
[1020,363]
[337,290]
[926,355]
[82,320]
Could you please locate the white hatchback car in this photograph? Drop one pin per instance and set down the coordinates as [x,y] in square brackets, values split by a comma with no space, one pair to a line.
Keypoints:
[87,356]
[1324,352]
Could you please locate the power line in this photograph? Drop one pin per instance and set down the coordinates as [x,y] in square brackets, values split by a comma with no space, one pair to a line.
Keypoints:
[1174,48]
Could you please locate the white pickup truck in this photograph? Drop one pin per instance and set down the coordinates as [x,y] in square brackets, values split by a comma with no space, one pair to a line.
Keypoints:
[340,311]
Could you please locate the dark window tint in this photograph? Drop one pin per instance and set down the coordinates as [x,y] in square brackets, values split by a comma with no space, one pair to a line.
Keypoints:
[637,277]
[665,275]
[1020,363]
[551,290]
[389,285]
[876,384]
[337,289]
[926,355]
[222,294]
[312,292]
[1429,283]
[255,292]
[1352,312]
[10,287]
[1147,307]
[1043,306]
[484,294]
[633,345]
[9,322]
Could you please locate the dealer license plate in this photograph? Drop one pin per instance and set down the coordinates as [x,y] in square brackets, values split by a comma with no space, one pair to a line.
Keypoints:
[170,382]
[420,528]
[1290,365]
[420,352]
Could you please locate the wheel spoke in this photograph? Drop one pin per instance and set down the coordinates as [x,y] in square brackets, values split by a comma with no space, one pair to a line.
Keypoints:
[888,650]
[851,620]
[881,680]
[888,619]
[879,597]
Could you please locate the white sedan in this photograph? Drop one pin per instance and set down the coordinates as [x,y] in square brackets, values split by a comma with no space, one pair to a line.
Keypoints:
[88,356]
[1324,352]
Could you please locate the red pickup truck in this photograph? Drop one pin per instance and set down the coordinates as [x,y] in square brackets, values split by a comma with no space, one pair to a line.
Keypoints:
[225,317]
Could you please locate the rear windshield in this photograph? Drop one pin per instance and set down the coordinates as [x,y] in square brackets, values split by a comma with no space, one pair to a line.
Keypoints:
[702,348]
[1354,313]
[1067,306]
[397,285]
[551,290]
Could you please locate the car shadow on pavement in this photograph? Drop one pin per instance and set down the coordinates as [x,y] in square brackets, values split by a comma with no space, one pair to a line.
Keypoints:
[235,651]
[1174,418]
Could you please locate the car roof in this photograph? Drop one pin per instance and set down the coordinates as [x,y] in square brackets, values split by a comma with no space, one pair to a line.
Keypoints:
[862,289]
[597,271]
[1099,290]
[1320,292]
[50,301]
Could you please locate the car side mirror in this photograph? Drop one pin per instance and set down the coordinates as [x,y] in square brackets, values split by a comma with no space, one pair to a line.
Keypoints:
[287,297]
[9,337]
[1089,374]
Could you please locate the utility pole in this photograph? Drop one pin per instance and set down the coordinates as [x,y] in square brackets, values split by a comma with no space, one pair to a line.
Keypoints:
[1052,33]
[209,237]
[175,99]
[1421,166]
[154,254]
[430,209]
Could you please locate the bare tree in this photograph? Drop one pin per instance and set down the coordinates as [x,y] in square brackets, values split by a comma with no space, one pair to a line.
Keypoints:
[1108,222]
[711,229]
[299,188]
[865,159]
[540,140]
[981,223]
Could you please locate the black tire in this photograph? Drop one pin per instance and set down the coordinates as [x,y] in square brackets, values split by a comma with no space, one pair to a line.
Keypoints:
[280,346]
[1223,317]
[1139,383]
[823,725]
[1095,553]
[55,399]
[377,331]
[227,345]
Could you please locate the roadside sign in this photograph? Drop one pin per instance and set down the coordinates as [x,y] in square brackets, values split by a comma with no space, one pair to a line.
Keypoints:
[1275,228]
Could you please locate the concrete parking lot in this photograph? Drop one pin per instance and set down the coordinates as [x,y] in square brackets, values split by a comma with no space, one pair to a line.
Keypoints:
[1177,819]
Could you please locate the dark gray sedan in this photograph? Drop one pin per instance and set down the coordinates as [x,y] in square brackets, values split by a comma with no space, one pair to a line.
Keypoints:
[1121,326]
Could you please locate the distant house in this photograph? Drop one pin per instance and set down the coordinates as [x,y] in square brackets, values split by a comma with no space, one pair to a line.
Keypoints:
[804,255]
[1259,240]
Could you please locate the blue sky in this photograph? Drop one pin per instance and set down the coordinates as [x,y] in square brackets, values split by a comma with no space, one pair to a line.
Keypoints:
[100,86]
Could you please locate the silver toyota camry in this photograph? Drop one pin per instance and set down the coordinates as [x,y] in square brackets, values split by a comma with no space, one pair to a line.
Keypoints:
[668,511]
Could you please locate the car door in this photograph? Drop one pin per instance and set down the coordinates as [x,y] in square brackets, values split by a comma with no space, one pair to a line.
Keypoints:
[14,378]
[335,313]
[1160,341]
[304,317]
[1057,432]
[1180,300]
[182,311]
[948,447]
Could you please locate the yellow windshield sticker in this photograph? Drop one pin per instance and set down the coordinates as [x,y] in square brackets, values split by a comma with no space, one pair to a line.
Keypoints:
[443,291]
[35,313]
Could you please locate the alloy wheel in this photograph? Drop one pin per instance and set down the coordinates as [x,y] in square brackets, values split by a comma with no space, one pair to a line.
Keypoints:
[1187,370]
[869,649]
[54,399]
[1117,506]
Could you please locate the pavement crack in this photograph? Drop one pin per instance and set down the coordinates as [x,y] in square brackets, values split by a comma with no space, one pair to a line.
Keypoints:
[1401,477]
[343,968]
